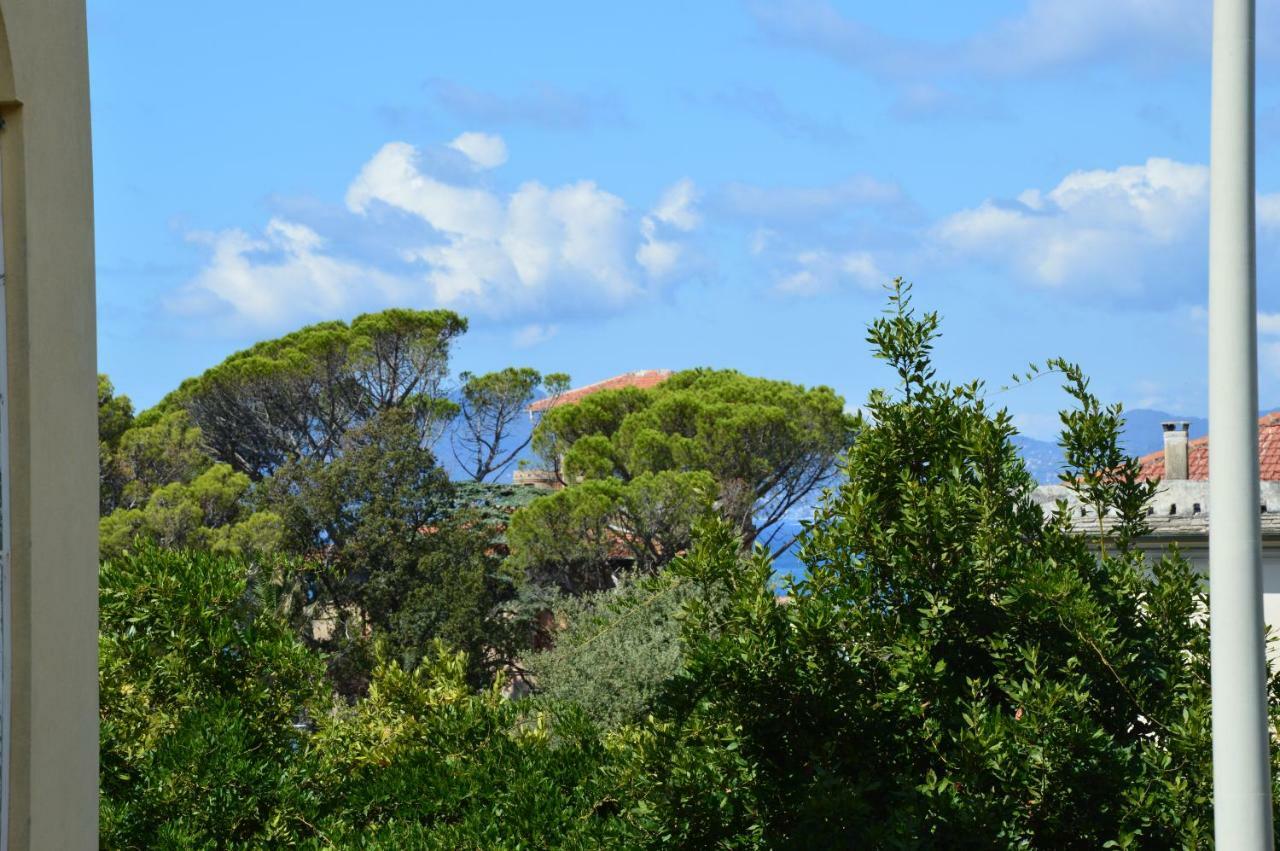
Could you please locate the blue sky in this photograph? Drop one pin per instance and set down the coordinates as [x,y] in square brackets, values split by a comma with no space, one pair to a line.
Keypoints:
[607,187]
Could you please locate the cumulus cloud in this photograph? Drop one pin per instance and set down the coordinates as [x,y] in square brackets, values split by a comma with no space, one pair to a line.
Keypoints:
[573,247]
[484,151]
[1114,230]
[677,207]
[675,212]
[440,236]
[281,276]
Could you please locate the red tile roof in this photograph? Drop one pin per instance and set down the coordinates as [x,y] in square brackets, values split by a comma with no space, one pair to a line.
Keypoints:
[1198,455]
[642,379]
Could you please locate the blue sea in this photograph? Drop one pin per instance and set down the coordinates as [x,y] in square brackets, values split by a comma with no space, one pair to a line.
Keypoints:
[787,564]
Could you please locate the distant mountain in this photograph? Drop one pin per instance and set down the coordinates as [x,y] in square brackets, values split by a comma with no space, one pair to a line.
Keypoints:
[1142,434]
[1043,459]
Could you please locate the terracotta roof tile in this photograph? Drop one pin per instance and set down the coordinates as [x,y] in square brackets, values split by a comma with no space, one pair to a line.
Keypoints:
[642,379]
[1198,455]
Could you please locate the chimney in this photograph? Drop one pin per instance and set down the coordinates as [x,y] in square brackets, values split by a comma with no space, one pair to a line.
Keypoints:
[1175,450]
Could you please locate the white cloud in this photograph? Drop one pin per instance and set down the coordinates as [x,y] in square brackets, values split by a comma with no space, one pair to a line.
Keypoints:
[813,272]
[538,250]
[277,278]
[674,211]
[533,335]
[1269,323]
[1106,230]
[572,247]
[484,150]
[658,257]
[676,207]
[393,178]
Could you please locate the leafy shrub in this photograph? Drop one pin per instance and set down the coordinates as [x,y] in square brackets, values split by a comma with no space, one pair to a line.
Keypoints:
[425,762]
[207,698]
[954,670]
[201,688]
[616,648]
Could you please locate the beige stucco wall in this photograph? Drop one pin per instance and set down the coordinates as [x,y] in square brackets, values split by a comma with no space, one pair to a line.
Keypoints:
[48,245]
[1197,552]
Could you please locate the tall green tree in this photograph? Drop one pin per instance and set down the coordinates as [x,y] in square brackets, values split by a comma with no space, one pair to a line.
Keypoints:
[769,445]
[387,549]
[162,447]
[955,669]
[214,511]
[115,412]
[298,395]
[115,416]
[580,538]
[641,467]
[484,442]
[159,486]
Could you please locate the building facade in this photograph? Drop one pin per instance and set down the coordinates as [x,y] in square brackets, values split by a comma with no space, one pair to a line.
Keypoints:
[1179,511]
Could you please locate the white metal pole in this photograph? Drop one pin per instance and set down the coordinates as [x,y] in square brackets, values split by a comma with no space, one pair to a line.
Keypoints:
[1241,744]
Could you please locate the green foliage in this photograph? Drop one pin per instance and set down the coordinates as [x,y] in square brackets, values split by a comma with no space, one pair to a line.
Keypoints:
[768,445]
[200,686]
[115,416]
[297,396]
[160,486]
[493,502]
[158,449]
[386,548]
[207,698]
[211,512]
[953,670]
[491,404]
[425,762]
[115,413]
[616,648]
[577,538]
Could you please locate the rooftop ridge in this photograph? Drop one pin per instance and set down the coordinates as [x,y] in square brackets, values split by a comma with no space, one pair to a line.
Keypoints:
[1152,463]
[642,378]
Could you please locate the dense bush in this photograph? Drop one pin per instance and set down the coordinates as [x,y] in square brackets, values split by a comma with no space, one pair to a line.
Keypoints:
[202,690]
[426,762]
[953,671]
[613,650]
[208,701]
